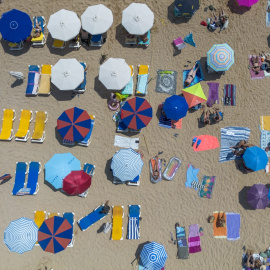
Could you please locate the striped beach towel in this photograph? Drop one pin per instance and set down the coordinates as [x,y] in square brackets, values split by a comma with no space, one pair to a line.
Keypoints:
[229,96]
[133,231]
[265,140]
[197,185]
[194,241]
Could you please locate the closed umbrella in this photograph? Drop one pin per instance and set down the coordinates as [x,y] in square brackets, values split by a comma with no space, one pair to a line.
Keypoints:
[17,75]
[246,3]
[175,107]
[255,158]
[194,95]
[257,196]
[97,19]
[187,7]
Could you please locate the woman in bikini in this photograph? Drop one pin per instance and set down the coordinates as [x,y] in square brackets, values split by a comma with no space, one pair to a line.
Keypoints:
[255,62]
[37,29]
[191,75]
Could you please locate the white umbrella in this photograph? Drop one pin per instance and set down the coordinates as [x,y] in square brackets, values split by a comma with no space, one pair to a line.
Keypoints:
[114,73]
[64,25]
[67,74]
[97,19]
[137,19]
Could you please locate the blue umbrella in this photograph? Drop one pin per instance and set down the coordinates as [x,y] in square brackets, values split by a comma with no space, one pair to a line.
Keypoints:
[175,107]
[59,166]
[21,235]
[126,164]
[153,256]
[15,26]
[255,158]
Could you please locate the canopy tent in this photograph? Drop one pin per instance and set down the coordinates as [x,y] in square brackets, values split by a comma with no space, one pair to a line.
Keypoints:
[257,196]
[194,95]
[255,158]
[175,107]
[184,8]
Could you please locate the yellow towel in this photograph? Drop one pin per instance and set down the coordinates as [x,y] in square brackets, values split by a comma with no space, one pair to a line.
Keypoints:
[39,125]
[24,124]
[37,39]
[46,69]
[265,122]
[7,124]
[143,69]
[40,216]
[117,233]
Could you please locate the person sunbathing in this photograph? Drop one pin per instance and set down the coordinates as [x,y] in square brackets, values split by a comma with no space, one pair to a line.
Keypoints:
[224,20]
[85,37]
[217,115]
[191,75]
[155,169]
[214,22]
[37,29]
[144,37]
[221,222]
[241,144]
[206,116]
[266,57]
[255,62]
[129,35]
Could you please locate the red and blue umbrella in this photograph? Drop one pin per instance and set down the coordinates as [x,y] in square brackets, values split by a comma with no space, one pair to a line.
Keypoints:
[55,234]
[136,113]
[74,124]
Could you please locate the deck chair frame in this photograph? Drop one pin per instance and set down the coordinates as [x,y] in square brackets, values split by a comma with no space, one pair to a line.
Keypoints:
[84,194]
[71,244]
[16,46]
[96,43]
[82,90]
[41,74]
[138,218]
[75,45]
[26,172]
[81,142]
[60,47]
[37,244]
[146,86]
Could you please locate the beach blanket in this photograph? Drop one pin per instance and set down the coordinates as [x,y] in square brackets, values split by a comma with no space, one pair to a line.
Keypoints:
[194,241]
[182,245]
[265,140]
[252,73]
[213,96]
[208,182]
[164,121]
[268,15]
[176,124]
[230,136]
[229,96]
[191,175]
[125,142]
[207,143]
[166,81]
[142,84]
[189,39]
[198,78]
[32,85]
[265,122]
[233,226]
[219,232]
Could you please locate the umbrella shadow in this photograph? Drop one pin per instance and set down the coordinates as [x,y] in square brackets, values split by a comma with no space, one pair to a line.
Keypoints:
[7,50]
[16,83]
[209,76]
[59,138]
[101,89]
[232,5]
[49,184]
[140,248]
[108,170]
[176,20]
[62,95]
[56,51]
[242,198]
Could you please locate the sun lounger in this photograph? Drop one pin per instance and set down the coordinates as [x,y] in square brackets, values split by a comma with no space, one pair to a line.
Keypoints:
[32,181]
[53,215]
[21,171]
[146,44]
[23,131]
[45,80]
[39,218]
[39,130]
[90,169]
[85,222]
[59,44]
[87,139]
[96,40]
[128,90]
[182,245]
[82,87]
[134,222]
[7,131]
[16,46]
[75,43]
[142,83]
[131,40]
[117,221]
[134,182]
[69,216]
[41,40]
[33,80]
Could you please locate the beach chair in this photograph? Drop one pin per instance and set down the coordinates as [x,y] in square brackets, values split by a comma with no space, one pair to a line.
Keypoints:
[33,80]
[75,43]
[59,44]
[21,171]
[121,127]
[134,182]
[117,222]
[142,83]
[45,80]
[32,181]
[87,221]
[90,169]
[39,129]
[182,246]
[82,87]
[68,142]
[96,40]
[179,43]
[53,215]
[134,222]
[41,40]
[131,40]
[16,46]
[69,216]
[39,218]
[23,131]
[7,131]
[146,44]
[128,90]
[87,139]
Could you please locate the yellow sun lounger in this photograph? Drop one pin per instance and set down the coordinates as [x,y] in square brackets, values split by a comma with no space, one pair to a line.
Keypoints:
[54,215]
[45,80]
[7,131]
[39,41]
[23,131]
[39,130]
[59,44]
[39,217]
[117,222]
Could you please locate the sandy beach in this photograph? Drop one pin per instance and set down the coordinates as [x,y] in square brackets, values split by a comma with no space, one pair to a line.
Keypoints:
[162,204]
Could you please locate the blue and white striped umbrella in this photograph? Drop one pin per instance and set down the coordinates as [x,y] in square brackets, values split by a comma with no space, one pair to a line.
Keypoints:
[21,235]
[220,57]
[153,256]
[126,164]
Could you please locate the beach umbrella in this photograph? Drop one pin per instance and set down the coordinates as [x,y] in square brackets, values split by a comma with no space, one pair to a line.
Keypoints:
[136,113]
[194,95]
[74,124]
[137,19]
[175,107]
[15,26]
[76,182]
[58,167]
[126,164]
[67,74]
[255,158]
[246,3]
[187,7]
[257,196]
[54,234]
[17,75]
[97,19]
[220,57]
[64,25]
[21,235]
[153,256]
[114,73]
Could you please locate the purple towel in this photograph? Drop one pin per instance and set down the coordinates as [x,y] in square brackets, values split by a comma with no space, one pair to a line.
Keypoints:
[233,226]
[213,96]
[194,241]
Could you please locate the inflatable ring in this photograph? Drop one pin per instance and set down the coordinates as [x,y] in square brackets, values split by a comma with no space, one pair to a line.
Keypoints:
[112,105]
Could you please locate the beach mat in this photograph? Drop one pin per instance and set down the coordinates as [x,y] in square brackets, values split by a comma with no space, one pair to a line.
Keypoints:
[166,81]
[198,78]
[233,226]
[265,122]
[213,96]
[176,124]
[125,142]
[230,136]
[268,15]
[229,96]
[252,73]
[265,140]
[208,182]
[192,173]
[207,143]
[219,232]
[194,241]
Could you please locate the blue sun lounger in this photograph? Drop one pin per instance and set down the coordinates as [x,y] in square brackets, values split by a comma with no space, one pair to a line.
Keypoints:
[82,87]
[33,80]
[21,170]
[134,222]
[90,169]
[69,216]
[32,181]
[86,140]
[85,222]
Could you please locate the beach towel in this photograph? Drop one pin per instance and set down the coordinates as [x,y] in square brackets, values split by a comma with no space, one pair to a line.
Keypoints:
[265,122]
[164,121]
[198,78]
[208,182]
[213,97]
[233,226]
[125,142]
[176,124]
[252,73]
[207,143]
[189,39]
[220,232]
[166,81]
[229,96]
[230,136]
[265,140]
[32,85]
[196,185]
[268,15]
[191,175]
[194,242]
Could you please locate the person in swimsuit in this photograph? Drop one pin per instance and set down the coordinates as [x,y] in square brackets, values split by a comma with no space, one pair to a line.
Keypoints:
[217,115]
[155,173]
[191,75]
[206,116]
[255,62]
[106,208]
[37,29]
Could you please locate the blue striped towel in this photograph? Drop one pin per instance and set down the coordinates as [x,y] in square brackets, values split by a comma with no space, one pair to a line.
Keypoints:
[265,140]
[230,136]
[133,228]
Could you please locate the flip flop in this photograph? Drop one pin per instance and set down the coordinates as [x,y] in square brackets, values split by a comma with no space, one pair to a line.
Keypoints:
[198,143]
[194,141]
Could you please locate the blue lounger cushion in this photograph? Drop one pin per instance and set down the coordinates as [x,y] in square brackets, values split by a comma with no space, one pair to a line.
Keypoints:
[19,177]
[33,177]
[134,222]
[96,38]
[89,168]
[40,21]
[69,216]
[88,136]
[134,211]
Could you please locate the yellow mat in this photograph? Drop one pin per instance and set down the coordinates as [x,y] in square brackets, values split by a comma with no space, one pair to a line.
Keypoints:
[117,233]
[265,122]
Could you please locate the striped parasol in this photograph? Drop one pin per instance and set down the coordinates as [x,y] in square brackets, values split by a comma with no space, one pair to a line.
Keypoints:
[126,164]
[220,57]
[21,235]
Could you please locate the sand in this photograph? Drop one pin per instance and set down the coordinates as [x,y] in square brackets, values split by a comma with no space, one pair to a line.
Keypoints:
[163,204]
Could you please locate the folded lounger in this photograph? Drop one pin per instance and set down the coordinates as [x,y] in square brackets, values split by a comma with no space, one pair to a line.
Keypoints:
[21,171]
[96,40]
[39,218]
[86,141]
[7,131]
[85,222]
[39,130]
[128,90]
[82,87]
[45,80]
[142,80]
[90,169]
[16,46]
[53,215]
[33,80]
[32,181]
[146,44]
[41,40]
[134,222]
[23,131]
[117,222]
[59,44]
[69,216]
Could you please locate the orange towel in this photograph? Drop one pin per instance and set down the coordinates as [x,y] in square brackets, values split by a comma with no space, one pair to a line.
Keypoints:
[220,232]
[207,142]
[176,124]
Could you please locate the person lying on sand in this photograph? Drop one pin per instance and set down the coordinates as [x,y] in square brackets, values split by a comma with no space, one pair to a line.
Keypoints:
[221,222]
[206,116]
[191,75]
[250,263]
[255,62]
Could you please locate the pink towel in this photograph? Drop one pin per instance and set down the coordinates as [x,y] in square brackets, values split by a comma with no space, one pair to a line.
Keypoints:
[194,241]
[207,143]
